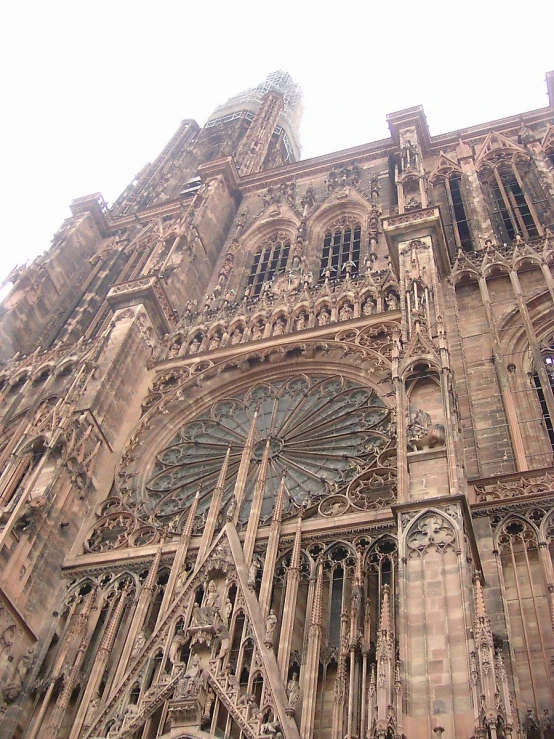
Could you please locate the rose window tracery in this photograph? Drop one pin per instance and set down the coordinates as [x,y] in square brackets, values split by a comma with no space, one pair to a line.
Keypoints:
[322,431]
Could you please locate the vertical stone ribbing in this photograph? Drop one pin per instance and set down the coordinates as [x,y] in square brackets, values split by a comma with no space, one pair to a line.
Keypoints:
[242,474]
[255,510]
[289,609]
[311,669]
[272,549]
[215,508]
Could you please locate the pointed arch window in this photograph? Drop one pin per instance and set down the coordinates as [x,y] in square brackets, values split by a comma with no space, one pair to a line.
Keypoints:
[341,251]
[269,260]
[448,194]
[515,198]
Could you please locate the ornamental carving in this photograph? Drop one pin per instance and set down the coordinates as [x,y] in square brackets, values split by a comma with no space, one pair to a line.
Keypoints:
[332,436]
[523,486]
[431,531]
[290,303]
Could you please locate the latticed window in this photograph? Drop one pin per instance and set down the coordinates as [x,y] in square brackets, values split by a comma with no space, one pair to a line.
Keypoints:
[341,251]
[447,193]
[269,260]
[513,203]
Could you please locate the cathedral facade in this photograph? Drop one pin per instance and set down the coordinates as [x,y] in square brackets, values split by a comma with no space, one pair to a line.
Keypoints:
[277,441]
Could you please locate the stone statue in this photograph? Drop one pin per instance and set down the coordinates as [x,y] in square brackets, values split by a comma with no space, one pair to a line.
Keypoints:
[300,322]
[271,729]
[227,611]
[194,346]
[279,327]
[215,342]
[270,624]
[530,726]
[392,301]
[346,312]
[231,508]
[323,317]
[423,433]
[258,330]
[189,685]
[179,639]
[212,598]
[253,572]
[225,643]
[236,336]
[140,641]
[293,693]
[546,725]
[368,306]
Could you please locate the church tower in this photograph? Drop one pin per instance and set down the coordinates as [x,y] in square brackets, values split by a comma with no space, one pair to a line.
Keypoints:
[276,452]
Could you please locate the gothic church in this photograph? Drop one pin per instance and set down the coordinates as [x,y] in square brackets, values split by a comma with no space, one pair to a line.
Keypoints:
[276,441]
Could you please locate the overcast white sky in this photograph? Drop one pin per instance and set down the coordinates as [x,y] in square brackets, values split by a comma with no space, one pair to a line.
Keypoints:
[93,90]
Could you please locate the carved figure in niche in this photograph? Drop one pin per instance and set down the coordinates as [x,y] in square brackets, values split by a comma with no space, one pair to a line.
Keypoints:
[225,643]
[140,641]
[189,685]
[215,341]
[174,348]
[409,155]
[530,726]
[13,689]
[323,317]
[348,267]
[374,187]
[270,625]
[258,330]
[206,713]
[368,306]
[301,321]
[177,643]
[279,327]
[346,312]
[212,598]
[547,725]
[194,346]
[7,639]
[198,618]
[392,301]
[423,433]
[271,729]
[248,699]
[236,336]
[231,508]
[227,611]
[253,572]
[293,693]
[297,256]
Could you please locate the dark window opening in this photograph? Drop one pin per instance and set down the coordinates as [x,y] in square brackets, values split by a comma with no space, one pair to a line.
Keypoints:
[341,251]
[549,366]
[459,213]
[268,262]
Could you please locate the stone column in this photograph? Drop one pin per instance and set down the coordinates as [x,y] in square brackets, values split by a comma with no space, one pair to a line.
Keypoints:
[289,608]
[312,660]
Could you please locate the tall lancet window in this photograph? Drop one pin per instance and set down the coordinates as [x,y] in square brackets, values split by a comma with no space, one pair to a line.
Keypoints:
[269,260]
[515,199]
[341,251]
[447,193]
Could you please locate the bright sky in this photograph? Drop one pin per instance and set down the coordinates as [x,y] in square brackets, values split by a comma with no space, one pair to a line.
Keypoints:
[93,90]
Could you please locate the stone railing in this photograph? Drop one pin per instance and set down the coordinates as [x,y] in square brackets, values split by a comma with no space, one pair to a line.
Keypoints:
[275,314]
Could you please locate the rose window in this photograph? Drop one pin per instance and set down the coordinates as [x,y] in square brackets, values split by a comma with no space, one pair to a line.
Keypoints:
[323,431]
